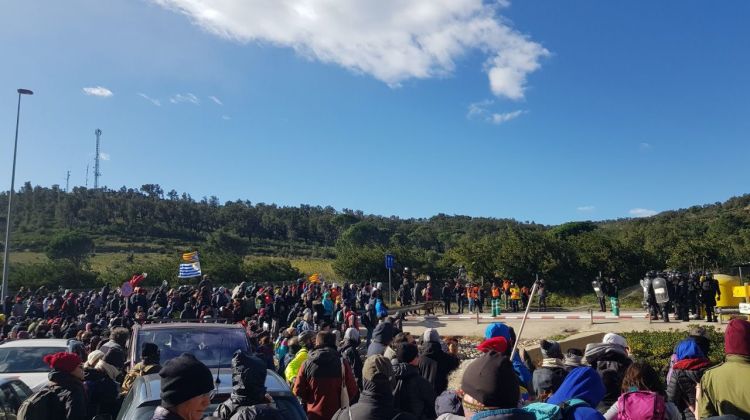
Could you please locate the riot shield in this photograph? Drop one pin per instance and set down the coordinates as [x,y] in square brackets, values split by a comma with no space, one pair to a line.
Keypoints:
[660,290]
[645,284]
[597,288]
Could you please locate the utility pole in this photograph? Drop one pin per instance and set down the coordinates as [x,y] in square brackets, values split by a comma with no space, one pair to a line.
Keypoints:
[87,176]
[97,174]
[67,182]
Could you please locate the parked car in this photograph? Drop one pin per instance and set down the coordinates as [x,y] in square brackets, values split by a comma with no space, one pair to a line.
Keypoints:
[211,343]
[22,359]
[12,393]
[144,397]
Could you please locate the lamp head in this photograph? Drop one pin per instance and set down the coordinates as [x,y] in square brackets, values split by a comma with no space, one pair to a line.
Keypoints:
[25,92]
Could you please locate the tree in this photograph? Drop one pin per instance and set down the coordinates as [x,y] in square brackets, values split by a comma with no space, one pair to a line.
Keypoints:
[270,270]
[72,245]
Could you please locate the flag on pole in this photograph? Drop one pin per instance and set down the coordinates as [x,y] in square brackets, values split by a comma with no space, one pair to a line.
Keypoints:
[315,278]
[190,265]
[137,278]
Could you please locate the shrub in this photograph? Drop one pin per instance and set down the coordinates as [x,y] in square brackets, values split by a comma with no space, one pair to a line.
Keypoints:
[656,347]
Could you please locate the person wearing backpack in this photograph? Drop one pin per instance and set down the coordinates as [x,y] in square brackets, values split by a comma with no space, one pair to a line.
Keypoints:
[348,349]
[643,397]
[578,395]
[610,359]
[687,371]
[64,397]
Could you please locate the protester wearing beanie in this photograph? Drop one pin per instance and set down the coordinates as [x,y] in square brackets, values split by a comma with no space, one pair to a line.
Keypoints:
[581,383]
[550,374]
[687,371]
[101,386]
[609,355]
[348,349]
[248,391]
[186,388]
[376,399]
[490,387]
[498,329]
[725,387]
[66,383]
[149,364]
[411,392]
[434,363]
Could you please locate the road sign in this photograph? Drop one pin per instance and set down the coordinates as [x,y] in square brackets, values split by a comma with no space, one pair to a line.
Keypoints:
[745,308]
[126,289]
[389,261]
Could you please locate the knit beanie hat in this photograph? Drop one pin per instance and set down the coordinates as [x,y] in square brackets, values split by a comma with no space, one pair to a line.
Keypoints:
[377,368]
[63,361]
[551,349]
[115,357]
[431,336]
[491,381]
[612,338]
[449,403]
[183,378]
[737,337]
[150,351]
[94,357]
[351,334]
[498,344]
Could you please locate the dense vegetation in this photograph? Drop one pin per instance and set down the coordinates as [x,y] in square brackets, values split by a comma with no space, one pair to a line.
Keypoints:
[69,227]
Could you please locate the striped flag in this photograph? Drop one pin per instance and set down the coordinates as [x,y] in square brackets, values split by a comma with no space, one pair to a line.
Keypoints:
[190,266]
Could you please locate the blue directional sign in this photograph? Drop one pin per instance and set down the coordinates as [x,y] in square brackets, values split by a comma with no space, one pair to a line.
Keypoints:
[389,261]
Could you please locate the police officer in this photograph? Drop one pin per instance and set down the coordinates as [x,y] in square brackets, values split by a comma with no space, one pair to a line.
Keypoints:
[694,287]
[681,294]
[599,289]
[653,307]
[613,291]
[709,292]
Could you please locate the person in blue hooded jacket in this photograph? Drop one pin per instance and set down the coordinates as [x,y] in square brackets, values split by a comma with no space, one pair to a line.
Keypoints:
[582,383]
[498,329]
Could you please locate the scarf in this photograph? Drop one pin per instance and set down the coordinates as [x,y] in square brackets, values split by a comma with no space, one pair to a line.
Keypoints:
[692,364]
[108,369]
[551,362]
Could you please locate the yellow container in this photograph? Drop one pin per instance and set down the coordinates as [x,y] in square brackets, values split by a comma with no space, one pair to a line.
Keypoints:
[726,285]
[741,291]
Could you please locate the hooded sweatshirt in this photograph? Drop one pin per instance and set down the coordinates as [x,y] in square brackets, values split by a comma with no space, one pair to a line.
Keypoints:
[725,386]
[585,384]
[498,329]
[318,383]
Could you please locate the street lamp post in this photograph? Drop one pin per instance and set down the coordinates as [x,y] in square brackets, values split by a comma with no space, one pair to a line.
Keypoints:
[6,265]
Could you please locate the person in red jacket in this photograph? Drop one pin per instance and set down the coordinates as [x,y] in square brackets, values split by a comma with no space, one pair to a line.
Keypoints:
[319,380]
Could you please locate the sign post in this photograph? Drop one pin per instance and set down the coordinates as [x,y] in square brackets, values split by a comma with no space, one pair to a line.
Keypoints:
[389,261]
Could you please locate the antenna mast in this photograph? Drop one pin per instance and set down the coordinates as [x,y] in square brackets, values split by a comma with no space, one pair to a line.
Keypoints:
[67,182]
[97,174]
[87,176]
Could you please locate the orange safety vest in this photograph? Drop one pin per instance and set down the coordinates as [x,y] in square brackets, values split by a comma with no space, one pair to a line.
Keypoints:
[475,292]
[495,292]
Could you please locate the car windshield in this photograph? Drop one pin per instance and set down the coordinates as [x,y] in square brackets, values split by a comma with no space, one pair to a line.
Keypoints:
[213,347]
[25,359]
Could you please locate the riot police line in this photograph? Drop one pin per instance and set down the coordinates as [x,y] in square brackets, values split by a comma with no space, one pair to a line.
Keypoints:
[685,296]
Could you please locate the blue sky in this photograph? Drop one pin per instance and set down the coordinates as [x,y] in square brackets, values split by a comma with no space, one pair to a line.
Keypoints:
[543,111]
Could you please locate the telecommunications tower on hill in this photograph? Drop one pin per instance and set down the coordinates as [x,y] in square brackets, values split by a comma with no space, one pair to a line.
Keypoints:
[97,174]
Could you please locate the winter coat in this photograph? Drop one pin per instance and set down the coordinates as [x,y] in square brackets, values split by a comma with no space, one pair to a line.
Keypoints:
[162,413]
[381,338]
[375,403]
[349,351]
[247,401]
[686,375]
[292,368]
[585,384]
[725,388]
[435,365]
[71,395]
[412,393]
[318,383]
[101,392]
[140,369]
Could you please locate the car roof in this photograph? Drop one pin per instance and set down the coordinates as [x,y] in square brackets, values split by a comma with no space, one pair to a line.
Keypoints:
[186,325]
[148,387]
[37,342]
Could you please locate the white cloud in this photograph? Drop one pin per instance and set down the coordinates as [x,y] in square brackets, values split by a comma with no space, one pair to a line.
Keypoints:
[499,118]
[156,102]
[226,117]
[188,98]
[586,209]
[479,109]
[391,40]
[645,147]
[99,91]
[639,212]
[216,100]
[103,156]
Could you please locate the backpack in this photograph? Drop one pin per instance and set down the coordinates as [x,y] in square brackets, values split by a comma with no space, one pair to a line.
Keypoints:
[641,405]
[41,406]
[706,285]
[380,309]
[547,411]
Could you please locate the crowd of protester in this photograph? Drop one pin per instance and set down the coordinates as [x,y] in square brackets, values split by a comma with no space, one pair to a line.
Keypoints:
[346,356]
